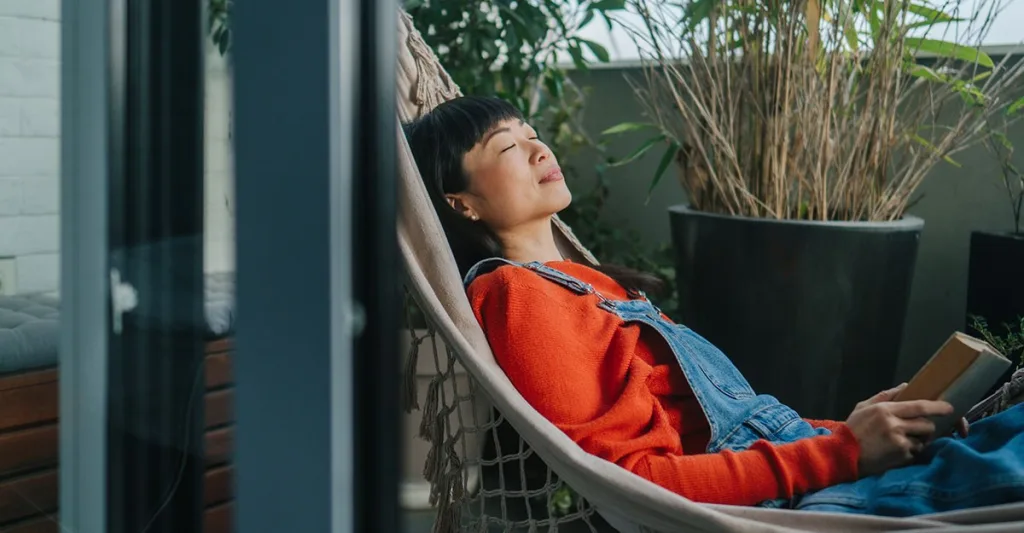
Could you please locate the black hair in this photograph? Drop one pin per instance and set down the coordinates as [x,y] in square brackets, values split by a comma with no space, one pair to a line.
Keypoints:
[438,141]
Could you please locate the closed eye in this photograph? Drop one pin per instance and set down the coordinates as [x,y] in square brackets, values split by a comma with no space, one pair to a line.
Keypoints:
[509,148]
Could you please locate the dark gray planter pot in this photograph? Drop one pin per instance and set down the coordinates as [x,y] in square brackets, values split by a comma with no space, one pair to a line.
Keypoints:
[810,312]
[995,286]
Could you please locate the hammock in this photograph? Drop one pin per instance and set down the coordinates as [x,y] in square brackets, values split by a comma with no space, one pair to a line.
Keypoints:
[457,416]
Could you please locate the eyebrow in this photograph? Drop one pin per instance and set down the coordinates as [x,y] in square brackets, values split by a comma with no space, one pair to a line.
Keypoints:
[497,131]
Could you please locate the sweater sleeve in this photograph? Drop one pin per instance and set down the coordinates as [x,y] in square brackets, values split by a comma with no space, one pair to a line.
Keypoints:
[547,349]
[762,472]
[831,425]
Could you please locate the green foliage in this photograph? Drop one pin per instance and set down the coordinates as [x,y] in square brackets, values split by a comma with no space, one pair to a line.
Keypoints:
[510,49]
[220,24]
[717,27]
[1010,343]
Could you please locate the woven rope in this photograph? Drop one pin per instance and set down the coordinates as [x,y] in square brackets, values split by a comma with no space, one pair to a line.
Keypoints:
[471,490]
[1008,395]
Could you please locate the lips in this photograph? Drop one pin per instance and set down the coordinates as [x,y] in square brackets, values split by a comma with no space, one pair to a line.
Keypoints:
[554,174]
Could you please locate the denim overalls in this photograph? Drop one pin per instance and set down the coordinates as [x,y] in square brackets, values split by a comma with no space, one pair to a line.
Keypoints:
[738,417]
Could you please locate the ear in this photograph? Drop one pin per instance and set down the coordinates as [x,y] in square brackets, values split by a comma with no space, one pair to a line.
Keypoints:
[458,204]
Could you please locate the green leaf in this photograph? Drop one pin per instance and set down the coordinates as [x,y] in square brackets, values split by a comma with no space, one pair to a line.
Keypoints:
[666,160]
[577,56]
[950,50]
[933,15]
[1003,140]
[225,42]
[851,35]
[928,24]
[626,126]
[981,76]
[924,142]
[1015,107]
[608,5]
[598,50]
[587,18]
[640,151]
[520,25]
[873,20]
[554,84]
[921,71]
[698,11]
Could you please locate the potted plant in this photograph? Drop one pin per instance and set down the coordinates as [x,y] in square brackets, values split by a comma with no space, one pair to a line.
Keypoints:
[801,131]
[995,289]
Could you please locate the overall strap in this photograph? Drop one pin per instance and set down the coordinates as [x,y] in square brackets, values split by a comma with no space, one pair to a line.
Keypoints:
[546,272]
[561,278]
[485,266]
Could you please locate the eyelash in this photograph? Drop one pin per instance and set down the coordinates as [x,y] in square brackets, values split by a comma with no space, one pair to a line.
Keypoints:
[534,138]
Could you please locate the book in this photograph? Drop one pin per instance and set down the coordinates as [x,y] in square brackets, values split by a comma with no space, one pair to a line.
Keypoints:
[960,372]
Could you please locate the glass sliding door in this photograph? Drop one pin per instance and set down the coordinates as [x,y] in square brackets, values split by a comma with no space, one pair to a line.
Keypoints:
[146,386]
[155,380]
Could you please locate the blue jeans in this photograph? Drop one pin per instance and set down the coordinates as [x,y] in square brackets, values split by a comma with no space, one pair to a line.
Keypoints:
[985,468]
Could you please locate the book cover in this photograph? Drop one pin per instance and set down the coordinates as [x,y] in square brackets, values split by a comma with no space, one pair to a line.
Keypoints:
[960,373]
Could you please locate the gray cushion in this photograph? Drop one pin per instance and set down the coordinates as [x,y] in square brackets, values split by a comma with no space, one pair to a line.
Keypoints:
[29,330]
[220,303]
[29,324]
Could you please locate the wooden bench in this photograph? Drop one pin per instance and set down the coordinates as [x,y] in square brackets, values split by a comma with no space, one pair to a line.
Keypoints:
[29,448]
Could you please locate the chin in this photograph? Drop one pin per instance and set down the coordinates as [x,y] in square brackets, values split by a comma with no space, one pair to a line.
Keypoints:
[562,199]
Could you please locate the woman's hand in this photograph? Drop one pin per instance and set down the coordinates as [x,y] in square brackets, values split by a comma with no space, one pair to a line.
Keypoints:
[890,433]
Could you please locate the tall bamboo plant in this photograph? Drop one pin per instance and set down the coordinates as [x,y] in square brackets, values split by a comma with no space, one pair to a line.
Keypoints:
[810,109]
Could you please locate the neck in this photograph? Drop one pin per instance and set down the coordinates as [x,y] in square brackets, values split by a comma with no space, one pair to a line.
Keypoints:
[533,242]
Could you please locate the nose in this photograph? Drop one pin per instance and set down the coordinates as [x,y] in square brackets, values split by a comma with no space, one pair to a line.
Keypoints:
[540,154]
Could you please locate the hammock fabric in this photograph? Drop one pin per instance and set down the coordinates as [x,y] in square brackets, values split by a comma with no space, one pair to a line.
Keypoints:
[457,417]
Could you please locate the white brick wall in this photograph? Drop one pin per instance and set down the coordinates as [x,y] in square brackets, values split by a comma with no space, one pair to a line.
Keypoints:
[30,147]
[220,174]
[30,140]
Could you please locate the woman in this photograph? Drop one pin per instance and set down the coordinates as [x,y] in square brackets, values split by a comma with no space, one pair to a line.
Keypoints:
[594,356]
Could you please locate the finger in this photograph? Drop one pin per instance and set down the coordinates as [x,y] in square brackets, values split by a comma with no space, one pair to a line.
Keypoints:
[962,427]
[920,428]
[887,395]
[908,447]
[920,408]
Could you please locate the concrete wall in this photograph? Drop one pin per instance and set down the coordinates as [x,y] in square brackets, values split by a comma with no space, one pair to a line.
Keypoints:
[954,202]
[30,150]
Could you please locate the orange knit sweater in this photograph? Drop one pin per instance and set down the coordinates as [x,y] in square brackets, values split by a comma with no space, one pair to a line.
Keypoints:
[616,390]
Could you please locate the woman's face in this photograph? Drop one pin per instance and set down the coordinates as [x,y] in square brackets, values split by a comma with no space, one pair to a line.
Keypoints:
[514,179]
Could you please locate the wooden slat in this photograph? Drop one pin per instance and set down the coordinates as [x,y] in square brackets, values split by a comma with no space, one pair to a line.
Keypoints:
[220,408]
[219,486]
[219,519]
[28,496]
[30,405]
[218,370]
[25,379]
[220,345]
[43,524]
[28,449]
[219,445]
